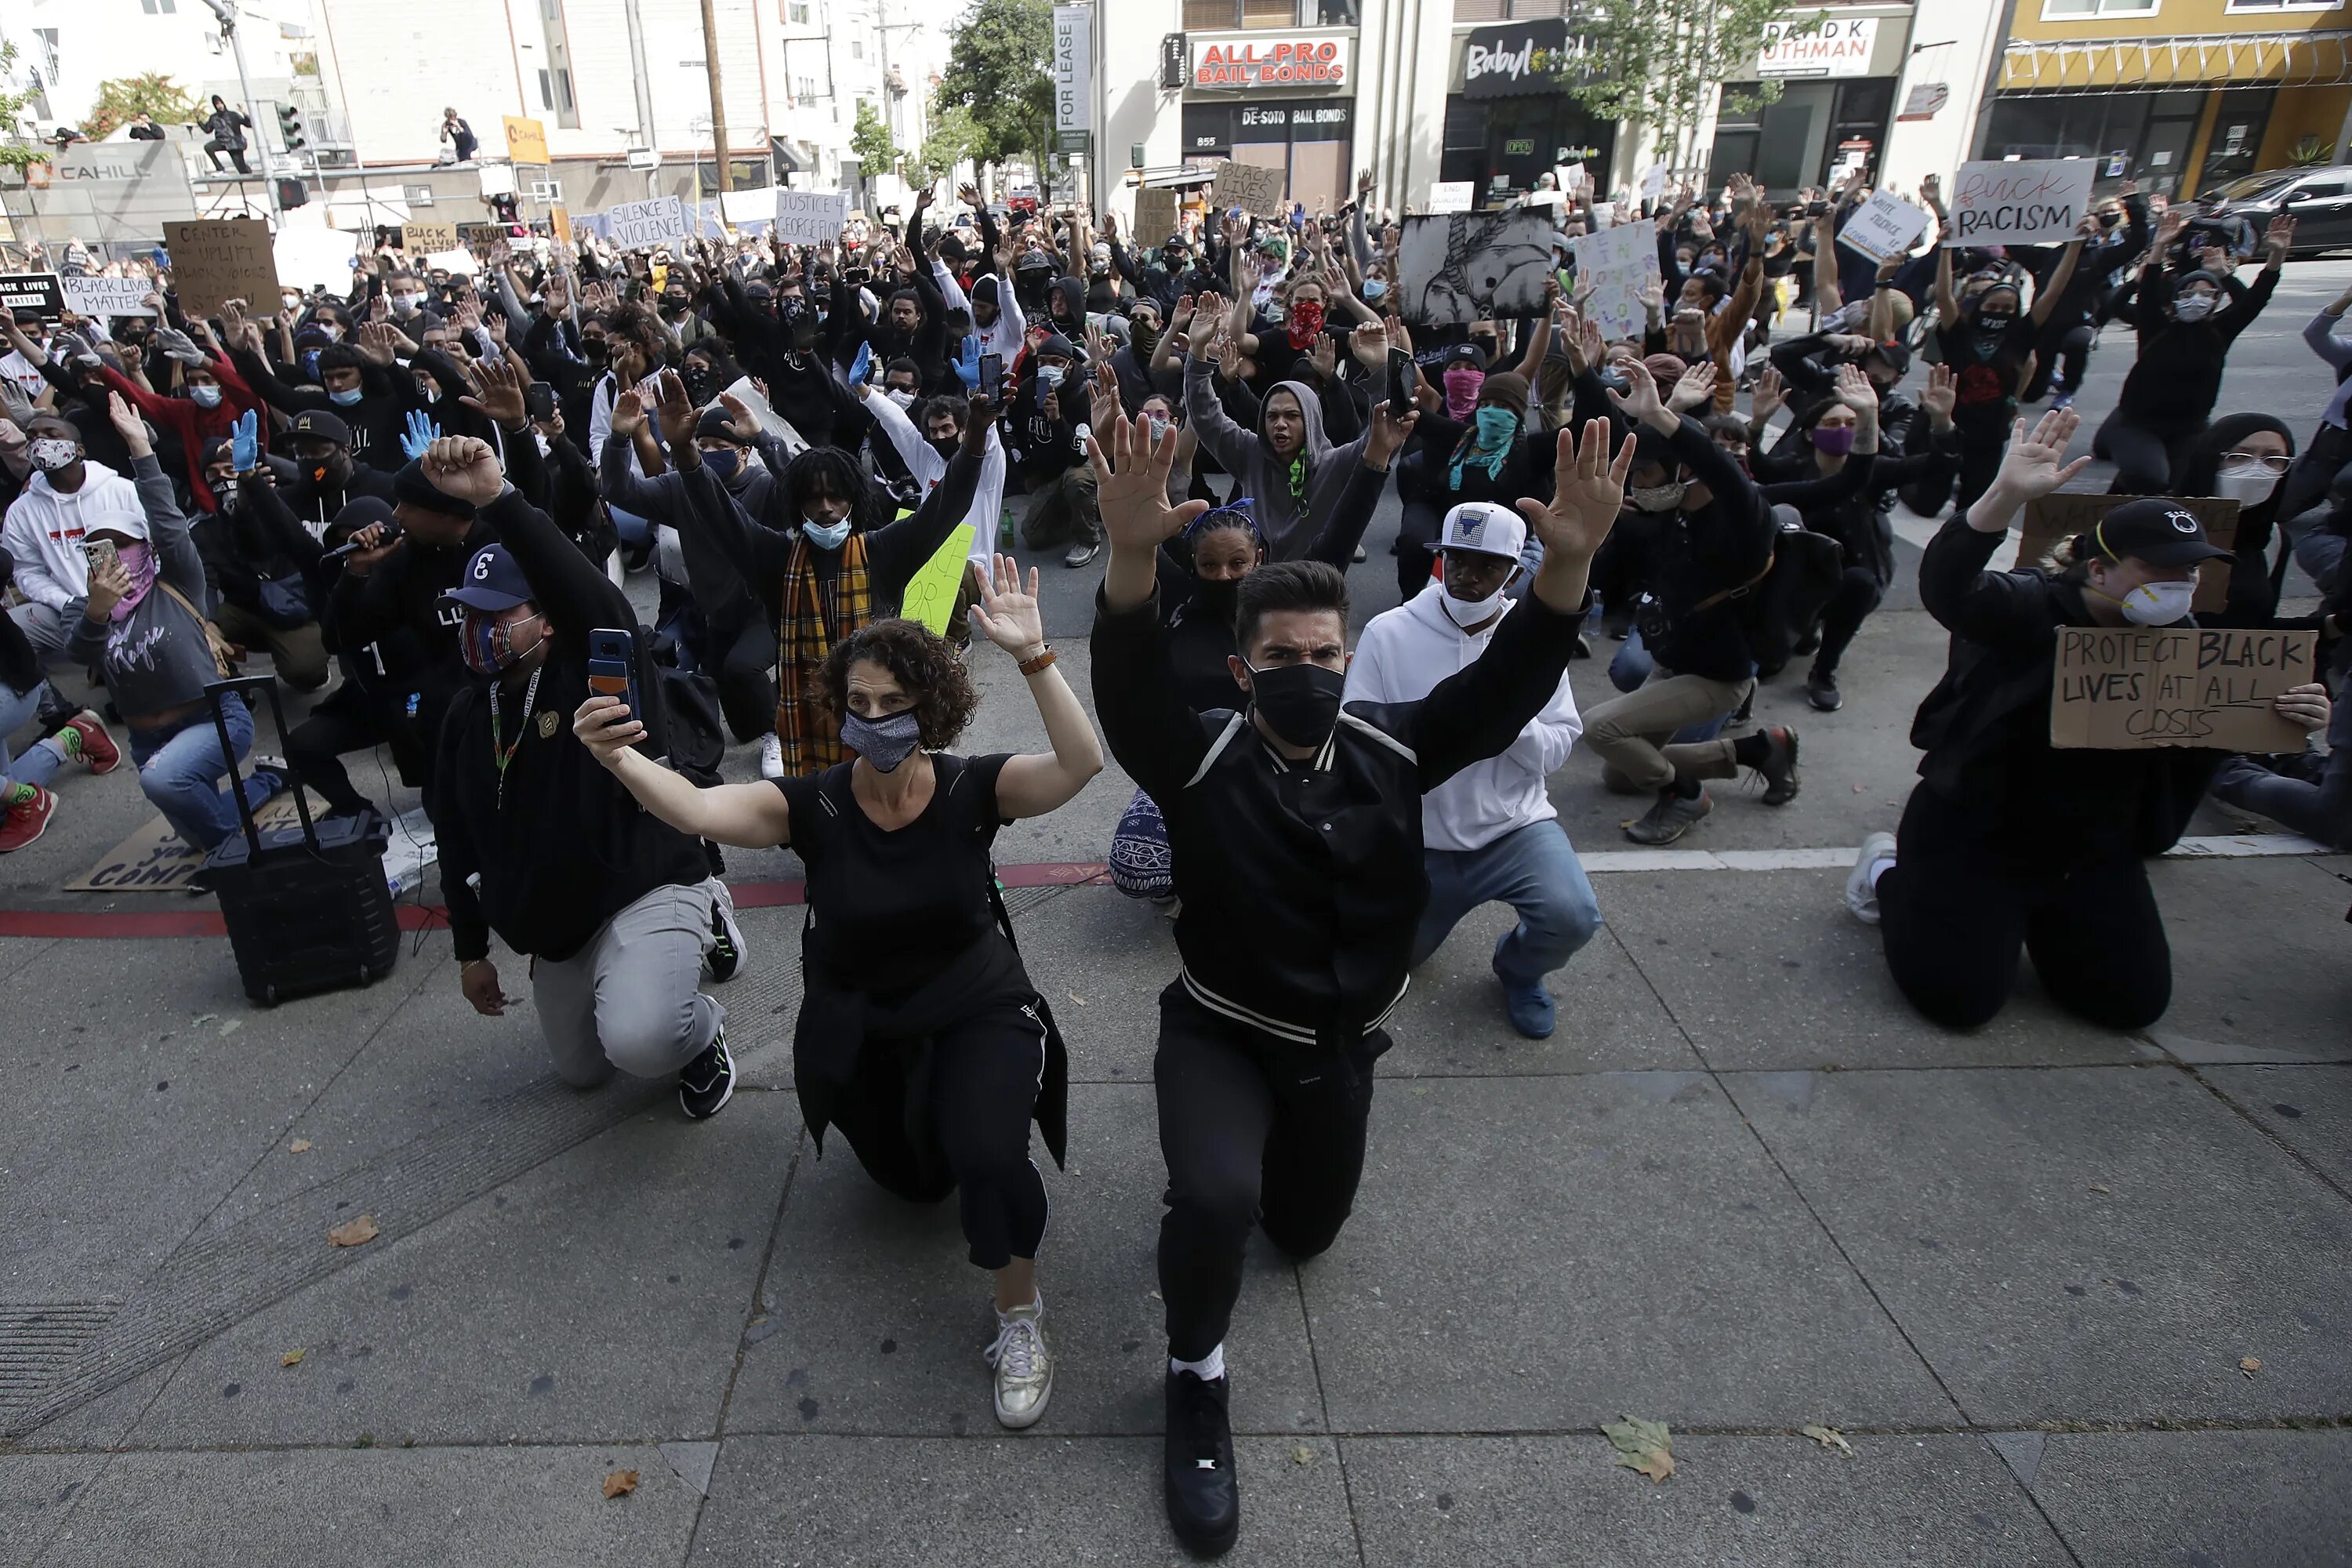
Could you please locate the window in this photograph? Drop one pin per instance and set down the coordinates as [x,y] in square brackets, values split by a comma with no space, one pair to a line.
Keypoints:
[797,13]
[2318,190]
[2275,5]
[856,49]
[159,8]
[555,81]
[2059,10]
[1217,15]
[1507,10]
[805,87]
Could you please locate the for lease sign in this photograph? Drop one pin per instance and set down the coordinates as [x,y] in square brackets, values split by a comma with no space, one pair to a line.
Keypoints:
[2024,201]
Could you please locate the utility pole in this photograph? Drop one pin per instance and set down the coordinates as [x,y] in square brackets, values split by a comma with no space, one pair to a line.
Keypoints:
[636,25]
[718,103]
[227,11]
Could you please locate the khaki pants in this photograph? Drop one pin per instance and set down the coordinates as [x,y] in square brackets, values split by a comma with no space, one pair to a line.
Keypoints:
[1630,731]
[298,651]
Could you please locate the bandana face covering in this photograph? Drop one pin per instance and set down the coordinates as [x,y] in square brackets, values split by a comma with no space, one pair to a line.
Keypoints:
[1306,322]
[1462,384]
[139,565]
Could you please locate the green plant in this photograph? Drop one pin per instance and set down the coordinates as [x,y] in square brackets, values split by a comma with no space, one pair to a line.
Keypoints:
[1664,58]
[997,69]
[16,152]
[126,97]
[870,139]
[2311,152]
[951,139]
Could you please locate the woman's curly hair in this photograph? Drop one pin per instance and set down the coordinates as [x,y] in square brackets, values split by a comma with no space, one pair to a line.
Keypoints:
[920,661]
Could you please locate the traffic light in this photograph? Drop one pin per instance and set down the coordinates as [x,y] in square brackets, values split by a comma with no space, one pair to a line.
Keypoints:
[289,128]
[293,193]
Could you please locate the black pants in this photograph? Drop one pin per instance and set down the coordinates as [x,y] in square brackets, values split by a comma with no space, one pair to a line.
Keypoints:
[1857,593]
[956,1119]
[1957,909]
[2067,355]
[1416,531]
[1253,1131]
[2145,460]
[315,749]
[747,691]
[215,147]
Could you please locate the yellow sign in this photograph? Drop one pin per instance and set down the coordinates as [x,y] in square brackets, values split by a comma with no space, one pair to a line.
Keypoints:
[562,220]
[420,240]
[931,592]
[526,139]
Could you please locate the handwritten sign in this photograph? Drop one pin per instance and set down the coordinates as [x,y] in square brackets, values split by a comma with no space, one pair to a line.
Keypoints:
[1255,190]
[1653,182]
[2030,201]
[810,218]
[2053,519]
[31,291]
[931,592]
[104,296]
[2141,687]
[1883,227]
[214,260]
[641,226]
[1614,268]
[1157,214]
[1453,196]
[424,238]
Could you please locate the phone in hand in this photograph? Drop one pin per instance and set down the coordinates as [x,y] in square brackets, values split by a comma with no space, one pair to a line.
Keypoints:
[1400,374]
[991,377]
[99,553]
[539,400]
[612,669]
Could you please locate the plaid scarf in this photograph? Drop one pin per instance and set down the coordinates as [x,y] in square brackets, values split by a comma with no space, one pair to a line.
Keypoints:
[812,737]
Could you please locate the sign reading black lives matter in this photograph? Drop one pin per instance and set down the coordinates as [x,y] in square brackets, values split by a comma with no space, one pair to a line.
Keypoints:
[2025,201]
[36,292]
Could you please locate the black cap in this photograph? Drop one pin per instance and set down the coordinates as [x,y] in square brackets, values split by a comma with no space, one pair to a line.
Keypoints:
[1896,352]
[321,426]
[716,421]
[1466,353]
[410,488]
[2157,530]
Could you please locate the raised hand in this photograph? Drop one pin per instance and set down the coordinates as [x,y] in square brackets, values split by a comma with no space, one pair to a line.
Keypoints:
[420,434]
[1855,391]
[465,468]
[628,413]
[1771,396]
[1007,613]
[1942,397]
[376,341]
[500,399]
[1388,434]
[130,424]
[675,410]
[2035,464]
[1638,401]
[2279,238]
[244,442]
[739,417]
[1695,389]
[1370,345]
[1588,493]
[1131,487]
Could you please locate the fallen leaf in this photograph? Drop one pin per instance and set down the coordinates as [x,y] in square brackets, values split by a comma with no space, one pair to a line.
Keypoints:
[232,1026]
[299,1146]
[620,1483]
[1076,998]
[292,1358]
[1302,1455]
[2250,1365]
[204,1018]
[1643,1446]
[1829,1437]
[354,1233]
[2096,1188]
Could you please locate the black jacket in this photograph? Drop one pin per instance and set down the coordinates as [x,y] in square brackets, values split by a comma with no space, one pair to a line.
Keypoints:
[1706,555]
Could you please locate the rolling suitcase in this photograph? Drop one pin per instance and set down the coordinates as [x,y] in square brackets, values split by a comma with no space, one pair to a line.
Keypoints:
[307,909]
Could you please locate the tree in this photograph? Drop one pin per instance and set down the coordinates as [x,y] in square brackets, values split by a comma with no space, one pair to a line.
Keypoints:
[126,97]
[998,68]
[16,152]
[870,139]
[1666,55]
[952,137]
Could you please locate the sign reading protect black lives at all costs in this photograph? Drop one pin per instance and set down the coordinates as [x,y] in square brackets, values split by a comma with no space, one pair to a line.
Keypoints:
[2134,688]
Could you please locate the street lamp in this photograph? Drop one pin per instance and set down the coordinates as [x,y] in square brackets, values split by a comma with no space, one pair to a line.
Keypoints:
[227,11]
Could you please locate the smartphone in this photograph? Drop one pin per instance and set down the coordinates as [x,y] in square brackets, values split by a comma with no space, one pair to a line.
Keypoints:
[99,553]
[1400,374]
[539,400]
[991,376]
[612,669]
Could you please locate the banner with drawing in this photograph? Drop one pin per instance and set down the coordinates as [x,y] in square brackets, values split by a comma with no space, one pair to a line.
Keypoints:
[1475,267]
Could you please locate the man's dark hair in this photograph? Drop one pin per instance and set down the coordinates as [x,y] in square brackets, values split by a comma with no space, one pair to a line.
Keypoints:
[920,661]
[955,408]
[1719,427]
[1285,585]
[1712,281]
[869,504]
[341,356]
[908,294]
[902,365]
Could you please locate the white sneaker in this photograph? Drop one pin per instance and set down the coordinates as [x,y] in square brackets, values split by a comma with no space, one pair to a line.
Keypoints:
[1860,888]
[1024,1367]
[772,755]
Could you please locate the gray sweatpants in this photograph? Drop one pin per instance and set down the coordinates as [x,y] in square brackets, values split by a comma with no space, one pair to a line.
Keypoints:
[631,998]
[46,630]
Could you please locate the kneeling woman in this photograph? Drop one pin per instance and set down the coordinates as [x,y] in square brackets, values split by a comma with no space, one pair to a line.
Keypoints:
[919,1034]
[2010,843]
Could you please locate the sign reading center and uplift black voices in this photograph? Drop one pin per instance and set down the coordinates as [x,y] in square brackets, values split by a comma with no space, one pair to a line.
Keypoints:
[1521,58]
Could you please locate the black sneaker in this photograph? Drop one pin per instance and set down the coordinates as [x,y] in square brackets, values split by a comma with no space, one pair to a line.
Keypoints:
[1778,767]
[1822,690]
[1809,642]
[1204,1503]
[725,959]
[707,1083]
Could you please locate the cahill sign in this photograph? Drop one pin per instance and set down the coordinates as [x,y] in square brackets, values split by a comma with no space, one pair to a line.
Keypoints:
[1278,62]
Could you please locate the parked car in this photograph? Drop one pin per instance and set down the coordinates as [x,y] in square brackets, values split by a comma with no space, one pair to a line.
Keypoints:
[2319,200]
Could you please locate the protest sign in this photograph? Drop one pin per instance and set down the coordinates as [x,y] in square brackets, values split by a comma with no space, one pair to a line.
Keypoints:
[1157,214]
[810,218]
[1883,227]
[1475,267]
[1653,182]
[2055,518]
[640,226]
[1453,196]
[1604,213]
[104,296]
[1614,268]
[2027,201]
[214,260]
[2140,688]
[931,593]
[31,291]
[1255,190]
[424,238]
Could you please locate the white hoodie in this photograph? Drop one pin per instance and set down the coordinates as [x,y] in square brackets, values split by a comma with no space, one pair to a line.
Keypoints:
[929,468]
[45,529]
[1404,653]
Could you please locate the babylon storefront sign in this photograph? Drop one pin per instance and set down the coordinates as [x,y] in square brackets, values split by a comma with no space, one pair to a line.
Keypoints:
[1520,58]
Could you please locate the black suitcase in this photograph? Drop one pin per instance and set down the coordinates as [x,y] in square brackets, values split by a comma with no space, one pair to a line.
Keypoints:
[307,909]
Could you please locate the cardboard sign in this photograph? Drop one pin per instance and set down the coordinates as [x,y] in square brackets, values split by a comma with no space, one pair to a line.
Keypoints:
[31,291]
[2031,201]
[424,238]
[2141,687]
[525,138]
[810,218]
[214,260]
[1158,215]
[104,296]
[1453,196]
[1883,227]
[560,219]
[1255,190]
[2053,519]
[930,594]
[641,226]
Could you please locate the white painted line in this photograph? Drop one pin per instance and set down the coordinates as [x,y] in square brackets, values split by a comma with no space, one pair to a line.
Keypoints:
[2226,846]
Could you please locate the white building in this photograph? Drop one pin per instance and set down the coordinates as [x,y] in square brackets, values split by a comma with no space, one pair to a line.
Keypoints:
[66,49]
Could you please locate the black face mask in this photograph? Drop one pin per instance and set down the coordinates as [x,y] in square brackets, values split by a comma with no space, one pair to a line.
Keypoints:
[1300,702]
[697,383]
[1216,598]
[594,350]
[945,445]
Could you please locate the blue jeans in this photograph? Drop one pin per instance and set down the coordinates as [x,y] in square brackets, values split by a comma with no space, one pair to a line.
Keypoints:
[1534,871]
[181,768]
[18,708]
[2321,811]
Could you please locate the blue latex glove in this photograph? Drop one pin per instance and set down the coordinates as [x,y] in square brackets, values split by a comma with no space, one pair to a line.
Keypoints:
[862,366]
[422,432]
[244,442]
[967,364]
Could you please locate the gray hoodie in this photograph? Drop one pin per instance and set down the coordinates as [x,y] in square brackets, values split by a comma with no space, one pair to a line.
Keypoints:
[1266,478]
[156,657]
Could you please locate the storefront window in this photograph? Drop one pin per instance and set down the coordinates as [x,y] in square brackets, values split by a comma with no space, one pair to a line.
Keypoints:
[1223,16]
[2143,136]
[1310,140]
[2238,129]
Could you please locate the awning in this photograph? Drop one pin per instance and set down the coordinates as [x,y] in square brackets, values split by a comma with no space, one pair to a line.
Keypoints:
[788,160]
[2137,65]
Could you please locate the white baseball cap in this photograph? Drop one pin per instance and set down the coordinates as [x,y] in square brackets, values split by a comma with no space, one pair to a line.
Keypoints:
[1483,526]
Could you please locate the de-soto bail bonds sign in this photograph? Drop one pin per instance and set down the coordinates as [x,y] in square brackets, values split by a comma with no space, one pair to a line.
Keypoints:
[2140,688]
[2025,201]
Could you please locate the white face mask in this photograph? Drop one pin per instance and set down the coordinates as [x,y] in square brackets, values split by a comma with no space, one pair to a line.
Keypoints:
[1657,498]
[49,454]
[206,396]
[406,303]
[900,396]
[2249,485]
[2192,306]
[1468,612]
[2157,604]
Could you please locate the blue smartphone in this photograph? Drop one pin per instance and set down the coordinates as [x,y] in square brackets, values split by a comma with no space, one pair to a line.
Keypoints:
[613,669]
